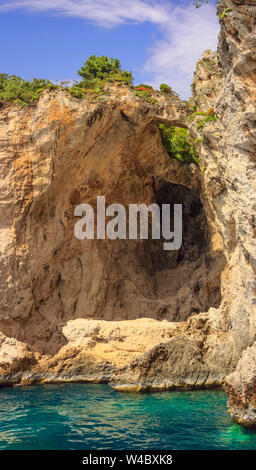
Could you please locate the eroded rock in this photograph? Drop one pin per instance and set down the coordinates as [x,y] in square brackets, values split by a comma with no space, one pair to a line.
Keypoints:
[75,309]
[65,152]
[241,387]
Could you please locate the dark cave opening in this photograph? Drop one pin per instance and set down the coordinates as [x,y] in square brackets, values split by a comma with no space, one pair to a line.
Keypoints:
[186,281]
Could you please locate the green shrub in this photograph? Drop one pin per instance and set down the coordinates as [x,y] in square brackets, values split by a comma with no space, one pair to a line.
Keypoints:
[122,76]
[103,68]
[166,89]
[179,144]
[209,118]
[96,73]
[145,95]
[224,13]
[77,92]
[16,90]
[98,67]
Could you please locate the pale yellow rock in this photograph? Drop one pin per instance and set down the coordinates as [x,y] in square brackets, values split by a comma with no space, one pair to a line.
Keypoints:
[118,342]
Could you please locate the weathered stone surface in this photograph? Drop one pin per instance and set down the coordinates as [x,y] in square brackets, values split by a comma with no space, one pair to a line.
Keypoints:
[208,79]
[241,387]
[82,310]
[200,355]
[230,148]
[65,152]
[227,161]
[228,179]
[15,358]
[97,348]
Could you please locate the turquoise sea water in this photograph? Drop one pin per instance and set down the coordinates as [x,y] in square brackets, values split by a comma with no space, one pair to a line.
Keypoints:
[81,416]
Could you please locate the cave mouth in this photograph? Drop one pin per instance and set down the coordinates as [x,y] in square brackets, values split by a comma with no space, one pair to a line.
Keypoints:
[187,281]
[124,279]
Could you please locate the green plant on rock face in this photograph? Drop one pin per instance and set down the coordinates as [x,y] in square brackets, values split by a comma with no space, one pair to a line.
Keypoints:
[164,88]
[122,76]
[193,84]
[14,89]
[224,13]
[77,92]
[193,108]
[211,63]
[206,119]
[179,143]
[145,95]
[95,73]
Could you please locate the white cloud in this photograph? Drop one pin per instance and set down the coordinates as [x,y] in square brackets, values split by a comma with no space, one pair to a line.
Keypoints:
[106,13]
[187,35]
[186,31]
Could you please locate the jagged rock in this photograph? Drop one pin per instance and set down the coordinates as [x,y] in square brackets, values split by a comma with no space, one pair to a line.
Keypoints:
[241,387]
[97,348]
[198,356]
[54,289]
[230,146]
[65,152]
[207,81]
[15,358]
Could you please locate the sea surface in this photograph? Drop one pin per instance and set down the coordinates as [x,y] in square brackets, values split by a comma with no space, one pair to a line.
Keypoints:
[81,416]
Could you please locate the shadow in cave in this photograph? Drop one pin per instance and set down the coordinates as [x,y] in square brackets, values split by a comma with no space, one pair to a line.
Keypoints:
[186,281]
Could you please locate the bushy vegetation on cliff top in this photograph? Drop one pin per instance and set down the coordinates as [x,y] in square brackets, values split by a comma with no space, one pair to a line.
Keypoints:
[95,74]
[16,90]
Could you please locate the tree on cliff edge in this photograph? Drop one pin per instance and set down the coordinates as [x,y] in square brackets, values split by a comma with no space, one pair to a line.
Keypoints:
[101,68]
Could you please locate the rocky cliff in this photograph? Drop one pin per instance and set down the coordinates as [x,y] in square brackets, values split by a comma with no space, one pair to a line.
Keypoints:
[125,311]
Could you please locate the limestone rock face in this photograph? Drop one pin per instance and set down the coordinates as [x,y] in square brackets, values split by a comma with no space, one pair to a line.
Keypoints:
[65,152]
[228,193]
[125,311]
[15,358]
[96,349]
[197,356]
[228,157]
[241,387]
[230,148]
[207,82]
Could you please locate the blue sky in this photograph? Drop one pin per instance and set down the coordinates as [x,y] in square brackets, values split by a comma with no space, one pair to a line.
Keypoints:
[160,41]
